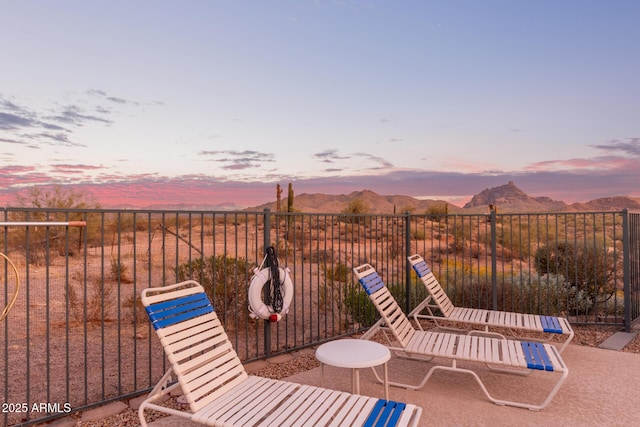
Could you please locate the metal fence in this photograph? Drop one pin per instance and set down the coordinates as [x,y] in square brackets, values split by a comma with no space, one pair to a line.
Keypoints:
[632,268]
[77,335]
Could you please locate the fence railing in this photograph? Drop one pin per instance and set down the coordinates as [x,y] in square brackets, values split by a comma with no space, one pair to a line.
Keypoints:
[77,335]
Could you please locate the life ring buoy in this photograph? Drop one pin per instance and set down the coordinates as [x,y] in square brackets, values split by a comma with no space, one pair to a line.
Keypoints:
[257,307]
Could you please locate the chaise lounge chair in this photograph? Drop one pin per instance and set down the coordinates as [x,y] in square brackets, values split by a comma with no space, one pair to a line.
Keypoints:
[497,354]
[520,322]
[220,392]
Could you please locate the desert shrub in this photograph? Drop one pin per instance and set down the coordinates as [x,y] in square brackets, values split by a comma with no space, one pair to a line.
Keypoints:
[467,284]
[587,266]
[49,204]
[119,271]
[356,206]
[355,212]
[360,308]
[514,239]
[550,294]
[337,273]
[331,295]
[437,213]
[418,234]
[94,304]
[225,279]
[136,308]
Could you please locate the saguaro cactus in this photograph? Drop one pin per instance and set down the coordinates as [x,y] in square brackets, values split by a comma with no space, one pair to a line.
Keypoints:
[278,197]
[290,198]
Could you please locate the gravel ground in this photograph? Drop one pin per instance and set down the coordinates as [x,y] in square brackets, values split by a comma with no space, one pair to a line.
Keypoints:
[591,336]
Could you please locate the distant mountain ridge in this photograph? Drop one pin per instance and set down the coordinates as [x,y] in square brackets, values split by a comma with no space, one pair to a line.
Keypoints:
[506,198]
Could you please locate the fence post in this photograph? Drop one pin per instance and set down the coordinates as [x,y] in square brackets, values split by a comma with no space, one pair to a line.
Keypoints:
[407,265]
[494,261]
[267,243]
[626,272]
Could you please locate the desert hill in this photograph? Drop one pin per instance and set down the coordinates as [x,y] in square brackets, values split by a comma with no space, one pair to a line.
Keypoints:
[509,198]
[506,198]
[608,204]
[376,203]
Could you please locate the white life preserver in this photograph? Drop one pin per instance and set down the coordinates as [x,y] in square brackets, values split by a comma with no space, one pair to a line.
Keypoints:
[257,307]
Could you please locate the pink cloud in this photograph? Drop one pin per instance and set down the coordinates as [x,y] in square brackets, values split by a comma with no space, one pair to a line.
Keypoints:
[598,163]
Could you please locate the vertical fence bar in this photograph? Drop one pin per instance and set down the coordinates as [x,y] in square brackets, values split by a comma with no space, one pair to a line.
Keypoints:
[626,253]
[407,264]
[267,243]
[5,323]
[494,261]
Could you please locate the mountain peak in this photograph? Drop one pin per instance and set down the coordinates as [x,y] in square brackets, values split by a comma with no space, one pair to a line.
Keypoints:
[509,196]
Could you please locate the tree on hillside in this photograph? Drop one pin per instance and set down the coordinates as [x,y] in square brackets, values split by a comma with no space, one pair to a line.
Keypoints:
[356,206]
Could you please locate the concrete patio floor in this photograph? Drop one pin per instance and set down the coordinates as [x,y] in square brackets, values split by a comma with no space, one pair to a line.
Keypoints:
[602,389]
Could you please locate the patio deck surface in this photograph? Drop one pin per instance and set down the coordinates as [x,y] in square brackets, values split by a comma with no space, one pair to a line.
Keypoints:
[601,390]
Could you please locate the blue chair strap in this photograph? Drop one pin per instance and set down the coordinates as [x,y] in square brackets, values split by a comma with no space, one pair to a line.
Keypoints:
[551,324]
[385,414]
[178,310]
[371,283]
[421,269]
[536,356]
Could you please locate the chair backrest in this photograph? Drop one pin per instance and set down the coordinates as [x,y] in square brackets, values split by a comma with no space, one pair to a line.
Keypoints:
[435,289]
[194,341]
[385,303]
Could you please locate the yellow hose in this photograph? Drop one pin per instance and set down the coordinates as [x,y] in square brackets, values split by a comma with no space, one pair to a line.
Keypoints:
[5,311]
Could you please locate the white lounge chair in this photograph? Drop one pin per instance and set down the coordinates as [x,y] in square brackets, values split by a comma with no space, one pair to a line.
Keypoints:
[497,354]
[217,387]
[518,323]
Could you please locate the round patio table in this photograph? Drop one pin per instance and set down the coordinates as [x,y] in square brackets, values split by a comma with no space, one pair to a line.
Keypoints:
[354,354]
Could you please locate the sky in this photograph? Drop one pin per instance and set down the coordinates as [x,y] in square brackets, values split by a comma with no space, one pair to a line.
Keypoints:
[144,103]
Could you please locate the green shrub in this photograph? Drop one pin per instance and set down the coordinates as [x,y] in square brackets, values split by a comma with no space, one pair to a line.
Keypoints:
[337,273]
[437,213]
[360,308]
[225,280]
[586,266]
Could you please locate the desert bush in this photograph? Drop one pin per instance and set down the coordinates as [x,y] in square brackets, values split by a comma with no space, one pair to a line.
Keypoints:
[356,206]
[225,279]
[589,267]
[358,307]
[95,304]
[437,213]
[355,212]
[361,310]
[337,273]
[138,312]
[330,296]
[551,294]
[119,271]
[418,234]
[50,204]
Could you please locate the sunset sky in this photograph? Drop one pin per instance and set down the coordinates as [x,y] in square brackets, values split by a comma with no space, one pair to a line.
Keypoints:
[209,102]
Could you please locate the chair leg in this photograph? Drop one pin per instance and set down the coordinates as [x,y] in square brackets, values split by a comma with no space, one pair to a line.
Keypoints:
[157,392]
[501,402]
